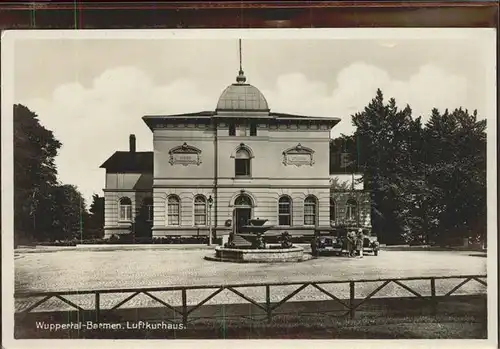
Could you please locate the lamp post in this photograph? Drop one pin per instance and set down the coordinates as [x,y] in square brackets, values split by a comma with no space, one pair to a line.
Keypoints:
[210,202]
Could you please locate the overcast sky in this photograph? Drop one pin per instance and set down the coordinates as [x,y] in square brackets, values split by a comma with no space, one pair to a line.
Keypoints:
[93,93]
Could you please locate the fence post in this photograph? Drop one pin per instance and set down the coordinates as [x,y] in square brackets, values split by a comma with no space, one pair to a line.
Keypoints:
[351,299]
[433,296]
[97,307]
[268,303]
[184,308]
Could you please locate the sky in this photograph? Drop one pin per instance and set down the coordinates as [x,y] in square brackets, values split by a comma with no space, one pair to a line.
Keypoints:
[93,92]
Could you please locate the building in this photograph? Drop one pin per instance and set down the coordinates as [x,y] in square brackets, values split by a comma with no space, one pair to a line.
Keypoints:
[350,204]
[219,168]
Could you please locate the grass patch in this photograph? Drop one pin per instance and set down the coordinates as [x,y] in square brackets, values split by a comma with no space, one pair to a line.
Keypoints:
[420,327]
[301,326]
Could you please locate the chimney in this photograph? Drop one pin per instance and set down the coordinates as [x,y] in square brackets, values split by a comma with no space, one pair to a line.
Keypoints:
[131,141]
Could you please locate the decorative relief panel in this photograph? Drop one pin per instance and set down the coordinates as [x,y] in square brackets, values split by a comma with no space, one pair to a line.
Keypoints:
[298,156]
[185,155]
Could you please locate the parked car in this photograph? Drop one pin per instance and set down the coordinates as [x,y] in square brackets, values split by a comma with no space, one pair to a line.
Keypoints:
[334,242]
[328,242]
[371,244]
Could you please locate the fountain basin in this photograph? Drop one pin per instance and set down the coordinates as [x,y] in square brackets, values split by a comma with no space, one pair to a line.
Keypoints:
[257,222]
[267,255]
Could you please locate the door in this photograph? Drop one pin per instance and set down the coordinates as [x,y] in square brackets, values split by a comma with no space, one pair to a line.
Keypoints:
[243,214]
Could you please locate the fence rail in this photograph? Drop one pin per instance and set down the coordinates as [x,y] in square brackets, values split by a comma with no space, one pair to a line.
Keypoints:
[350,305]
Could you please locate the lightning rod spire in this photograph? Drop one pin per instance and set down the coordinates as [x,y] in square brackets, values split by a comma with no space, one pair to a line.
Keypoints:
[241,75]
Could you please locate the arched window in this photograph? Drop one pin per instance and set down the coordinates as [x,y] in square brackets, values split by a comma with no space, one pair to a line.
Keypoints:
[125,213]
[242,163]
[333,213]
[200,210]
[253,129]
[285,211]
[147,203]
[352,210]
[173,210]
[310,210]
[243,200]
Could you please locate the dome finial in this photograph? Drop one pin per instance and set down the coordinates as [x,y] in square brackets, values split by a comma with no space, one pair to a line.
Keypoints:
[241,76]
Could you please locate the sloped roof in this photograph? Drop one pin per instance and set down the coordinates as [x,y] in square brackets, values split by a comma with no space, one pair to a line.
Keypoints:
[209,114]
[133,162]
[286,116]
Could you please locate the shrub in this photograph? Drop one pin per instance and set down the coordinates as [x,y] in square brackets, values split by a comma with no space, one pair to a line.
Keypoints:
[130,239]
[97,241]
[285,240]
[185,240]
[58,243]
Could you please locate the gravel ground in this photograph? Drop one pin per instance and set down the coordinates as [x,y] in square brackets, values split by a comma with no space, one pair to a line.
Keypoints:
[90,270]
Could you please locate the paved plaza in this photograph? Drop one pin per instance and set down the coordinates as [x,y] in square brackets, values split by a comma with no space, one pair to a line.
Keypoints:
[90,270]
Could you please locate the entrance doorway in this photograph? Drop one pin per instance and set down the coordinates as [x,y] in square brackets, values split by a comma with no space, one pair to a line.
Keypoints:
[242,211]
[242,215]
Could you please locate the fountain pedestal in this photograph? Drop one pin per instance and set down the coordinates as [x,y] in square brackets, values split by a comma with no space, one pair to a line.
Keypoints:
[258,252]
[253,232]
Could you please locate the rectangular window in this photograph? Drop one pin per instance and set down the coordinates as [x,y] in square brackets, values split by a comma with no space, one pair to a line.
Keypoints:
[200,216]
[173,214]
[241,131]
[332,213]
[242,167]
[284,214]
[126,212]
[309,214]
[232,129]
[253,130]
[351,213]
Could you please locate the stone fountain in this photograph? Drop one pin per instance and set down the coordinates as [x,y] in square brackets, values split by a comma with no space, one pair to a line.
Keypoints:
[253,232]
[258,251]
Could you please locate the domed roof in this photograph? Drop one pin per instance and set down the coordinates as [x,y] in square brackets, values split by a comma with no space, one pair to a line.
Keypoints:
[242,96]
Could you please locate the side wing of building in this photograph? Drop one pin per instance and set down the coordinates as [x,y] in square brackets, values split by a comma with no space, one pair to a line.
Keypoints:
[128,191]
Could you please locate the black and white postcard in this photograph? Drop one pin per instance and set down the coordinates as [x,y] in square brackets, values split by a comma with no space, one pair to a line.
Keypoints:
[279,185]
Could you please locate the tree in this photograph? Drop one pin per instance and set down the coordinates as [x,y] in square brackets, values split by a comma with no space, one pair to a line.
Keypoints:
[383,138]
[95,227]
[44,209]
[341,155]
[428,183]
[35,149]
[67,213]
[456,171]
[143,222]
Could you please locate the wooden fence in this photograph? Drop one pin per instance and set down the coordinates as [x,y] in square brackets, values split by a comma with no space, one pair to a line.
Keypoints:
[349,305]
